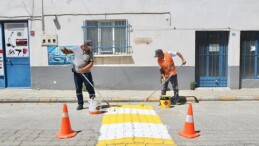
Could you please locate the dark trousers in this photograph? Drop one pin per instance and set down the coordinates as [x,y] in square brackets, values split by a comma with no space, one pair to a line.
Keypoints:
[79,80]
[173,80]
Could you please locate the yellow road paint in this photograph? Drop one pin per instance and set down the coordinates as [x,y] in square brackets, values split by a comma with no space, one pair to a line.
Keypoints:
[124,118]
[135,107]
[137,140]
[133,125]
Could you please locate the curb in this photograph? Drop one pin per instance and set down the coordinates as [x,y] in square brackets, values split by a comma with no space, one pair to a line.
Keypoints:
[129,99]
[229,98]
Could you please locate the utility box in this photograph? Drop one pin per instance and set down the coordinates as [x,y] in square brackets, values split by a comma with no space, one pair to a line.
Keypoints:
[49,40]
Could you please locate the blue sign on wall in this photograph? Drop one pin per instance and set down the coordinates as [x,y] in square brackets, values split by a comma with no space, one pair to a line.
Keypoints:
[56,57]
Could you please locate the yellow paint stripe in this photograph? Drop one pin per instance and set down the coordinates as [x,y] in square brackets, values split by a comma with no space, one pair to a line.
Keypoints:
[136,141]
[130,111]
[125,118]
[134,107]
[138,144]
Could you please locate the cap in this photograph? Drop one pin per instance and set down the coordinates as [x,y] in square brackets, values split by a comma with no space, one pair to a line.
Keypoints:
[158,52]
[89,43]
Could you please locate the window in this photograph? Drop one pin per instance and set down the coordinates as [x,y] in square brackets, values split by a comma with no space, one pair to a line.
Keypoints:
[109,37]
[249,55]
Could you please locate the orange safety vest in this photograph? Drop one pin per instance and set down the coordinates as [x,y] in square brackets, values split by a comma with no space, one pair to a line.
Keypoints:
[167,65]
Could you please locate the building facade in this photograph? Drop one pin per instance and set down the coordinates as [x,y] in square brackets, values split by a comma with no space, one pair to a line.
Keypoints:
[218,39]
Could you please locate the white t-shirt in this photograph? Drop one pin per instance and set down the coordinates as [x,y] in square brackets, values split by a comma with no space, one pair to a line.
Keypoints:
[172,53]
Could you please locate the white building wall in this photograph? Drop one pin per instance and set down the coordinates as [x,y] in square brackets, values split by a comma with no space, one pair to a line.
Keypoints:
[234,48]
[173,28]
[166,24]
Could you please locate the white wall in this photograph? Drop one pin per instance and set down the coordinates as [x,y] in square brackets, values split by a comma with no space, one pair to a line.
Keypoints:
[234,48]
[172,28]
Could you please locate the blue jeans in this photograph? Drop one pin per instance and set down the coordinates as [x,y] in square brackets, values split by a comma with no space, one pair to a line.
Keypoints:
[79,80]
[173,80]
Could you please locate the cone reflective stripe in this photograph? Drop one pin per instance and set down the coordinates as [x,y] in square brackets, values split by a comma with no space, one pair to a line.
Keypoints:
[64,115]
[189,130]
[65,131]
[189,119]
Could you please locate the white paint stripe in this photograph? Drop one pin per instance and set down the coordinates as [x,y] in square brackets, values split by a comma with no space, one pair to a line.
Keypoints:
[64,115]
[136,129]
[130,111]
[189,119]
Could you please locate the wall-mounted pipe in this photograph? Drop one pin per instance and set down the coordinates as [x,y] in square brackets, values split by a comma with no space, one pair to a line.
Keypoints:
[105,14]
[42,17]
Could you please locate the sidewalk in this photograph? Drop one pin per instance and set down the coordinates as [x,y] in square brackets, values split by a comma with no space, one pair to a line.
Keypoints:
[200,94]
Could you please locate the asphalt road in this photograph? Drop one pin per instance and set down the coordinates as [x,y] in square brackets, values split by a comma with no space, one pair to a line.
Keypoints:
[219,123]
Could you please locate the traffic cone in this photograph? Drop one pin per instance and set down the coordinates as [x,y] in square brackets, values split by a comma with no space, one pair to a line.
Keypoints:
[65,131]
[189,130]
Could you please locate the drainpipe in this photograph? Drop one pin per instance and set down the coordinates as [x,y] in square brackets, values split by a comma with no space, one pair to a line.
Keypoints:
[42,18]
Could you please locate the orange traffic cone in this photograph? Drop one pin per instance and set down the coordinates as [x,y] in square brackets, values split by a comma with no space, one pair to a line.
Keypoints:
[189,130]
[65,131]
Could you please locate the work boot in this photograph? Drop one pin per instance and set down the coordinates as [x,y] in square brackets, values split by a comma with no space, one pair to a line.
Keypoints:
[80,107]
[177,101]
[172,100]
[92,97]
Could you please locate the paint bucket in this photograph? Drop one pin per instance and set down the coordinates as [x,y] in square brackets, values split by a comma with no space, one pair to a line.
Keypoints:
[94,107]
[165,101]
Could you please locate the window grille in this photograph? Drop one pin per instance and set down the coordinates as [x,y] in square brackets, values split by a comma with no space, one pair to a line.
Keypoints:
[249,55]
[109,37]
[212,58]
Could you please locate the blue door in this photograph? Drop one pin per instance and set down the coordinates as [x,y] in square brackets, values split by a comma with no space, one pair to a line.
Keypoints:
[211,58]
[249,50]
[17,61]
[2,78]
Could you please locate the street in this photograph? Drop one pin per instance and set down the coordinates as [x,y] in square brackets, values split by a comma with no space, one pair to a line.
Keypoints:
[219,123]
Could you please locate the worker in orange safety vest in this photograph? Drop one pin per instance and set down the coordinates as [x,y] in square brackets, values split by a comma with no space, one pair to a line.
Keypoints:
[168,70]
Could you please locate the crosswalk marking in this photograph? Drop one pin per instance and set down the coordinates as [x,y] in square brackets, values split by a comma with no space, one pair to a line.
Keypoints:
[133,125]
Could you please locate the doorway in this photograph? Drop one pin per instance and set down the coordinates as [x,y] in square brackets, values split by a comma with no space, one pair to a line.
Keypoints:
[211,58]
[15,53]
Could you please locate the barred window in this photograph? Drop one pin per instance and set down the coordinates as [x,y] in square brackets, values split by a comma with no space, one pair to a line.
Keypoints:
[249,55]
[109,37]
